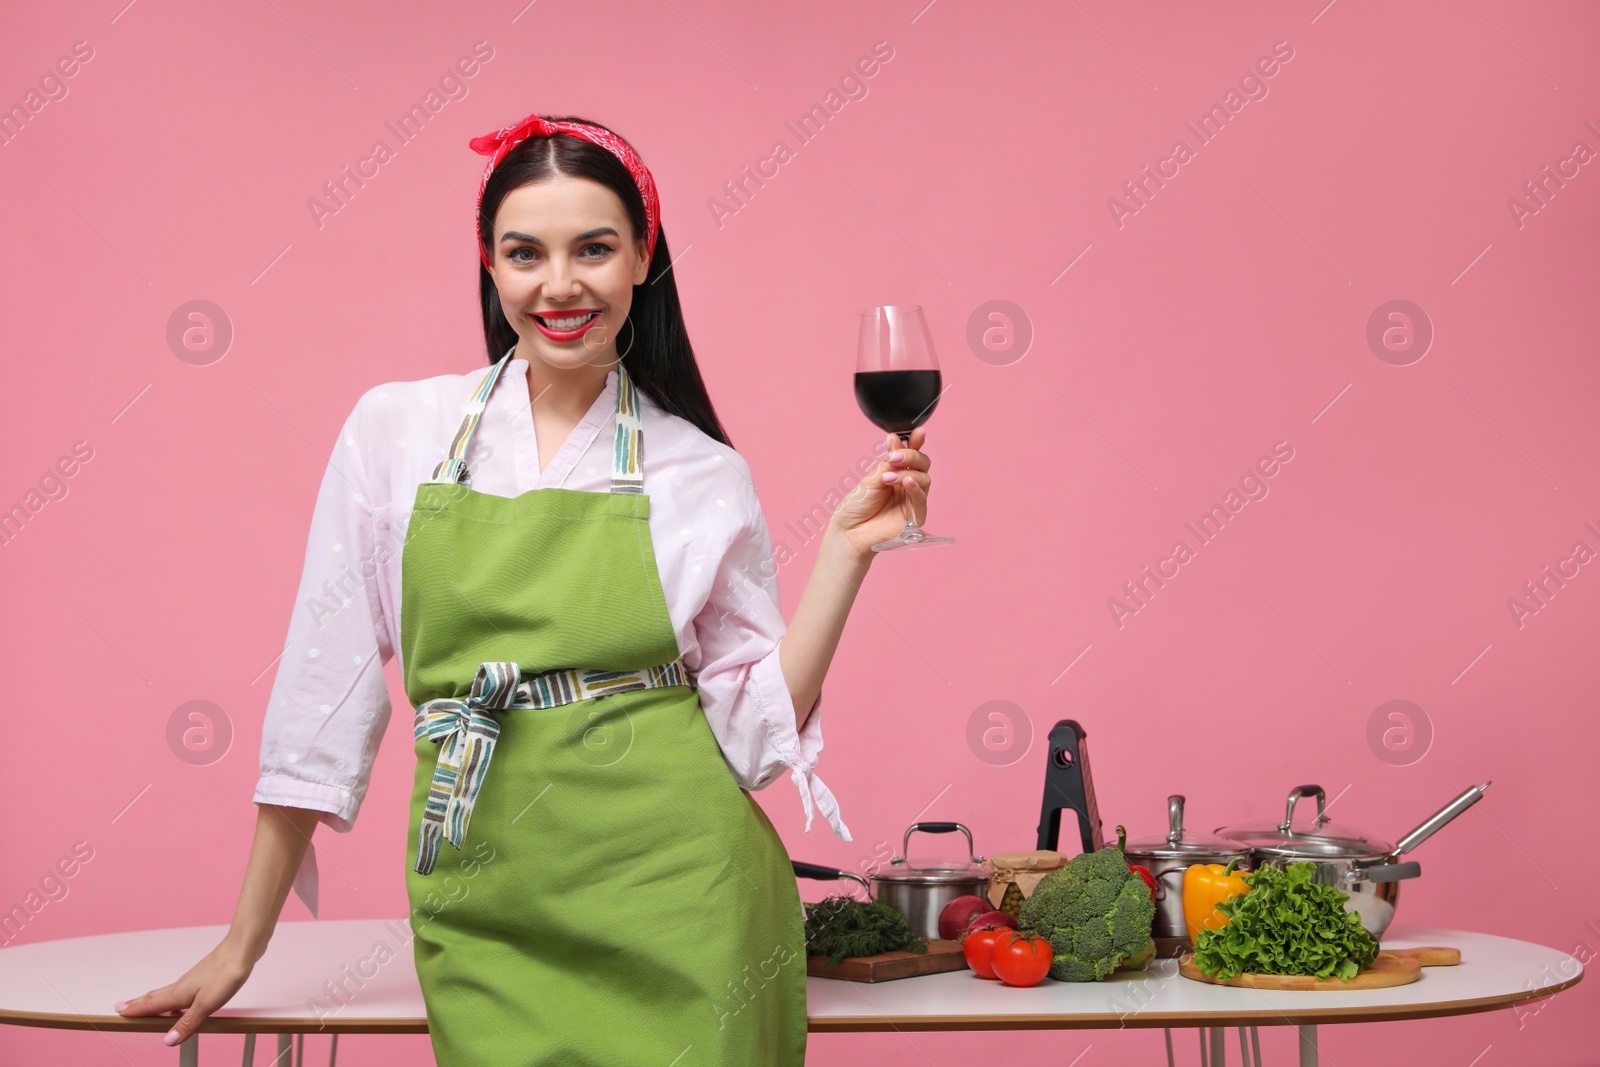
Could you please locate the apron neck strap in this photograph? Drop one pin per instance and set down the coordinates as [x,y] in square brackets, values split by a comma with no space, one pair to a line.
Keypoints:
[627,446]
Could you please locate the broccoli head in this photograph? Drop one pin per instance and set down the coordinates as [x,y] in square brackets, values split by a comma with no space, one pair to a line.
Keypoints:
[1095,913]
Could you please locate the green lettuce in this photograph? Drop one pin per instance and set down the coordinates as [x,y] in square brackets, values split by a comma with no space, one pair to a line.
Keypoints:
[1286,924]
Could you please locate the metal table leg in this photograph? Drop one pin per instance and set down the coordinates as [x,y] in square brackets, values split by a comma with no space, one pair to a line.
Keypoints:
[288,1055]
[1245,1056]
[1308,1046]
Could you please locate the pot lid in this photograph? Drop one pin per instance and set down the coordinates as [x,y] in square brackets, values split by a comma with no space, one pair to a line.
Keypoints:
[1314,839]
[965,874]
[1179,843]
[941,872]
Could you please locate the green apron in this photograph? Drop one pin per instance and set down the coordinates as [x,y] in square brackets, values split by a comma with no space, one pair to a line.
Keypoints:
[616,899]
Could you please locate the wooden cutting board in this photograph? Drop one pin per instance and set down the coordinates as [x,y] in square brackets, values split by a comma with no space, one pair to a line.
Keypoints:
[902,963]
[1393,966]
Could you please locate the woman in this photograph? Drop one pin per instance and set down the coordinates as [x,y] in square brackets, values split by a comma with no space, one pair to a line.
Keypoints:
[581,589]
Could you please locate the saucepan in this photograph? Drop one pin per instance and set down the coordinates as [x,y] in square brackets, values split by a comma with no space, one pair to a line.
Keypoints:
[1365,867]
[920,893]
[1167,857]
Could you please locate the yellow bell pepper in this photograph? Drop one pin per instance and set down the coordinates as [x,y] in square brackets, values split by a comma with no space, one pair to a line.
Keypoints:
[1205,885]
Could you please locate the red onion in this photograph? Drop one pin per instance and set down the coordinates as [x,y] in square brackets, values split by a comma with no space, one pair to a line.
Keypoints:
[955,916]
[989,919]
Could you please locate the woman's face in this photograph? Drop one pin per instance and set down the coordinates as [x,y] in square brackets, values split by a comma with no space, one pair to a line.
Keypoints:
[565,263]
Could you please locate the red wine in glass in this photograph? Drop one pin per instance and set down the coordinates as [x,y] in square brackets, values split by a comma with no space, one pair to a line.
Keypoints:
[897,400]
[897,387]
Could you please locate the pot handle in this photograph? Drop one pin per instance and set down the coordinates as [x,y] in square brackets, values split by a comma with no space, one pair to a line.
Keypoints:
[1161,882]
[935,828]
[1386,872]
[824,874]
[1305,791]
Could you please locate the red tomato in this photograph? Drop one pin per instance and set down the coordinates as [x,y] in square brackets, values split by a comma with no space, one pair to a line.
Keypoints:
[1021,960]
[978,947]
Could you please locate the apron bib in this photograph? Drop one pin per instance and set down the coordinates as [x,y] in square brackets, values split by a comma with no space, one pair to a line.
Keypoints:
[588,883]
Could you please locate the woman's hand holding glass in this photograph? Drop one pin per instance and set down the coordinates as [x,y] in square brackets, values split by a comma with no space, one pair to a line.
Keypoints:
[873,512]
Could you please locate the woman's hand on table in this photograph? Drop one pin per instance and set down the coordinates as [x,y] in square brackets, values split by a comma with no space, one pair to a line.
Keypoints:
[204,988]
[873,511]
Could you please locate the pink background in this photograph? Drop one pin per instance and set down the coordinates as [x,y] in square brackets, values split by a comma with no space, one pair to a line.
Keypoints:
[1229,313]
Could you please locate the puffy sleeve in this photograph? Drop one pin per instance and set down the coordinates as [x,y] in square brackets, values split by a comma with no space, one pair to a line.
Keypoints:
[329,702]
[742,688]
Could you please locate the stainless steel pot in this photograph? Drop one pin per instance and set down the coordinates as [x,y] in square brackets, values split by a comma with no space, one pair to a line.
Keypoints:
[1167,858]
[920,893]
[1365,867]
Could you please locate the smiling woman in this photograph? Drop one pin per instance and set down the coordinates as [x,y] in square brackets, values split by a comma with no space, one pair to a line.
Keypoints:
[589,632]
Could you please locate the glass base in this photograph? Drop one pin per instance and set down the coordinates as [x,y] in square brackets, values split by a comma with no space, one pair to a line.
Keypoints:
[913,536]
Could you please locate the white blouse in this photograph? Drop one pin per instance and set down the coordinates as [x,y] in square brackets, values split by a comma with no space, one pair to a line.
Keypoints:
[330,702]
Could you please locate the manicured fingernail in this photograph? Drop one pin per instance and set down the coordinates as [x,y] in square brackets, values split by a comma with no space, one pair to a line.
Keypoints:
[171,1038]
[119,1005]
[896,457]
[889,476]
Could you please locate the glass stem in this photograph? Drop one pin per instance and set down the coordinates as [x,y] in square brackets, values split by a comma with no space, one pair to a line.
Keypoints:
[905,497]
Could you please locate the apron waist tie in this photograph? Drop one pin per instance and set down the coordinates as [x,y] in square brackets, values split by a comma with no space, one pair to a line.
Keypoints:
[466,732]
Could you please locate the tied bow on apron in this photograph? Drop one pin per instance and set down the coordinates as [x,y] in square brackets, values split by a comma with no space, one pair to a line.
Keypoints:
[466,733]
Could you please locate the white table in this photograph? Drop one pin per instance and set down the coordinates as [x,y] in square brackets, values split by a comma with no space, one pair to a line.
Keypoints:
[71,984]
[1495,972]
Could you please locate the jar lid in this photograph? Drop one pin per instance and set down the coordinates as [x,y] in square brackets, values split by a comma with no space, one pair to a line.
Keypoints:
[1181,844]
[1039,859]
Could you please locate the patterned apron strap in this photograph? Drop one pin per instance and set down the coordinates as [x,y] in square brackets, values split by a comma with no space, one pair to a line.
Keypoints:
[453,468]
[466,733]
[627,446]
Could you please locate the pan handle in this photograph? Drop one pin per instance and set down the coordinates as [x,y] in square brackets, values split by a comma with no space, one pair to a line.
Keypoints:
[824,874]
[1385,872]
[815,870]
[1440,817]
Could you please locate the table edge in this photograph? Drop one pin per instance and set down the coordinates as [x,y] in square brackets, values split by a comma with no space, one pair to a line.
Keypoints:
[227,1024]
[838,1024]
[1147,1020]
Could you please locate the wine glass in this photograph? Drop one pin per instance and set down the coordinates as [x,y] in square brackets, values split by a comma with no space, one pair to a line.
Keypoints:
[898,386]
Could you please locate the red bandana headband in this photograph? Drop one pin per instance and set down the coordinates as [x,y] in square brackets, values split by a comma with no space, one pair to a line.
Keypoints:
[496,145]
